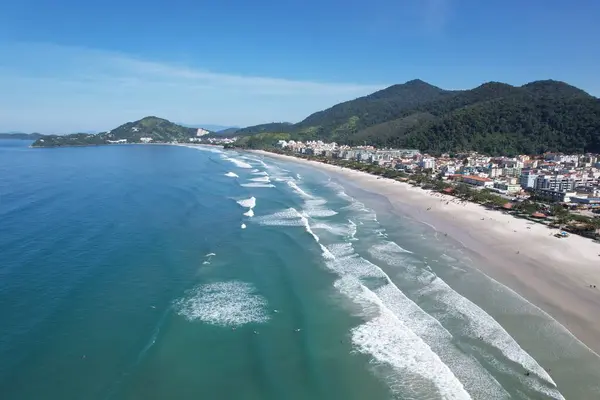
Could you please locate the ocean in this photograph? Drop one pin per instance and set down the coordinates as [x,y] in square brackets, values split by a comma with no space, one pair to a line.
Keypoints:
[172,272]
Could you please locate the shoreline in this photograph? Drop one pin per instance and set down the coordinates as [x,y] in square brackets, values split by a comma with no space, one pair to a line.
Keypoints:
[553,274]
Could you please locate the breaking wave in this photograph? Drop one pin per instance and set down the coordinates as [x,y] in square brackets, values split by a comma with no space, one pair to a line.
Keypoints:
[248,203]
[258,185]
[238,163]
[450,305]
[264,179]
[297,189]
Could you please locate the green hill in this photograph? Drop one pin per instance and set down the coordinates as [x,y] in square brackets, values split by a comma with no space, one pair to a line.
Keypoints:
[494,118]
[160,130]
[270,127]
[343,120]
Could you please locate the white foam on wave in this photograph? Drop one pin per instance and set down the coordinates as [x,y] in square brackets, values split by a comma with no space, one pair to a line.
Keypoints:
[475,321]
[346,262]
[362,212]
[326,253]
[248,203]
[388,340]
[479,323]
[313,207]
[297,189]
[257,172]
[477,380]
[204,148]
[342,259]
[243,226]
[323,213]
[264,179]
[258,185]
[342,230]
[238,163]
[232,175]
[232,303]
[289,217]
[353,230]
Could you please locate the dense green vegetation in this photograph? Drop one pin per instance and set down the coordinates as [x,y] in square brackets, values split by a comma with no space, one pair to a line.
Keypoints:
[160,130]
[494,118]
[270,127]
[261,140]
[226,132]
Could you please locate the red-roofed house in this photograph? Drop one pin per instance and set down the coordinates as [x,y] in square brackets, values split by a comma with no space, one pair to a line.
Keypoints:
[477,181]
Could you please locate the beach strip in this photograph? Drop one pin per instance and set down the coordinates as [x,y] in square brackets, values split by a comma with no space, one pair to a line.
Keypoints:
[557,275]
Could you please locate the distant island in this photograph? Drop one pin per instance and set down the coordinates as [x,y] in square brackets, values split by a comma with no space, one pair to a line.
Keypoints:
[146,130]
[21,136]
[494,118]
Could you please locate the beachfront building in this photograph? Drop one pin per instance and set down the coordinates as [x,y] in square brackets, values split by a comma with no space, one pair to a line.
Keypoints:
[507,187]
[528,179]
[560,183]
[145,139]
[427,163]
[478,181]
[586,200]
[555,196]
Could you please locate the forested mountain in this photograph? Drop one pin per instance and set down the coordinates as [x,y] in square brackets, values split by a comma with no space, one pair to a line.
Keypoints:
[494,118]
[343,120]
[226,132]
[160,130]
[270,127]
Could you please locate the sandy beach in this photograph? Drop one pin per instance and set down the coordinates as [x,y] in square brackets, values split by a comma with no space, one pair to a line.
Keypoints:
[553,274]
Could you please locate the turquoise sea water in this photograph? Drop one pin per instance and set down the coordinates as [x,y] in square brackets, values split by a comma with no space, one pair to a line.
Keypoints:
[153,272]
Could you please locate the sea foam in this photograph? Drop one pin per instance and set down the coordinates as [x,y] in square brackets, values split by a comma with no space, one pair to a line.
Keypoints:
[297,189]
[257,185]
[238,163]
[389,341]
[476,323]
[342,259]
[264,179]
[232,175]
[289,217]
[248,203]
[224,303]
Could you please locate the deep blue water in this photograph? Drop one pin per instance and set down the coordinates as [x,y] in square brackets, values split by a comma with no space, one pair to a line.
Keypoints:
[131,272]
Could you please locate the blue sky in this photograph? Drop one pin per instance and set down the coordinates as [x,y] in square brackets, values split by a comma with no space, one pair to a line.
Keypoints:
[74,65]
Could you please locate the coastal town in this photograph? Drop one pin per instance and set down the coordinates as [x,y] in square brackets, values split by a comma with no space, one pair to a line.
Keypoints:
[560,190]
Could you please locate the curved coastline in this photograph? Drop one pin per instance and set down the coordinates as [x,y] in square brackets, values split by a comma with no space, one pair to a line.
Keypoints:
[553,274]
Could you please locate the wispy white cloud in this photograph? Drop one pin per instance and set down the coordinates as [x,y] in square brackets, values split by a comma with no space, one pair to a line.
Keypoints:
[54,88]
